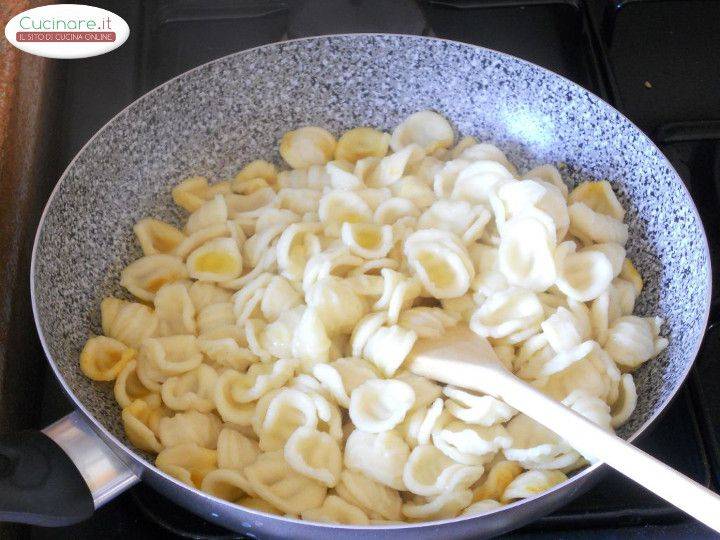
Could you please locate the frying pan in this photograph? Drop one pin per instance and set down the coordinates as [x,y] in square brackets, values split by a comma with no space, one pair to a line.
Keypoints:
[211,120]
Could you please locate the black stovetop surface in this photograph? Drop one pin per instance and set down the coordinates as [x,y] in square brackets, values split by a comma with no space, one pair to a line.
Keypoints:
[658,61]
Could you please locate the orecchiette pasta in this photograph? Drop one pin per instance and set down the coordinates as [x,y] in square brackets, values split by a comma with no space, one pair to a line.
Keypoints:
[446,505]
[471,444]
[525,255]
[175,310]
[191,391]
[128,387]
[336,510]
[373,497]
[342,376]
[216,260]
[141,421]
[379,405]
[425,128]
[429,472]
[536,447]
[419,424]
[633,340]
[274,481]
[235,450]
[583,275]
[531,483]
[441,262]
[164,357]
[189,427]
[187,462]
[103,358]
[145,276]
[314,454]
[307,146]
[227,484]
[129,322]
[380,456]
[360,143]
[497,480]
[193,192]
[263,356]
[473,409]
[157,237]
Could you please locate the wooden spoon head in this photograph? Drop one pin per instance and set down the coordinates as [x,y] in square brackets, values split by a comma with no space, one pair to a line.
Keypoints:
[459,357]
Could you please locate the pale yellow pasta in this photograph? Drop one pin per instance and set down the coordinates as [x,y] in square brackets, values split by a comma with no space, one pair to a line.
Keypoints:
[373,497]
[367,240]
[398,294]
[474,409]
[213,212]
[263,354]
[164,357]
[279,414]
[206,293]
[336,510]
[128,387]
[440,261]
[229,409]
[254,170]
[471,444]
[193,390]
[307,146]
[380,404]
[446,505]
[216,260]
[225,352]
[419,424]
[189,427]
[314,454]
[380,456]
[425,390]
[279,296]
[216,316]
[194,191]
[195,240]
[342,376]
[228,484]
[141,421]
[235,450]
[392,168]
[175,310]
[429,472]
[388,347]
[156,236]
[145,276]
[274,481]
[360,143]
[427,128]
[497,480]
[187,462]
[532,483]
[102,358]
[337,305]
[129,322]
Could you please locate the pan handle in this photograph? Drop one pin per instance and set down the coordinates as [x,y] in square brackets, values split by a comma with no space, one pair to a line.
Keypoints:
[60,475]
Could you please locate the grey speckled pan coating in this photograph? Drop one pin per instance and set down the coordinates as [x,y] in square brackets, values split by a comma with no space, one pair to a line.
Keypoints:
[212,120]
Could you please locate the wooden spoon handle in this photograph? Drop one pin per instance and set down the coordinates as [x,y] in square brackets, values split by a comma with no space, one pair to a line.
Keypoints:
[592,440]
[469,362]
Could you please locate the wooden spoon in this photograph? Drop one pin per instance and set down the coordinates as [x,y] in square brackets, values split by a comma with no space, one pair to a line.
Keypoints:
[463,359]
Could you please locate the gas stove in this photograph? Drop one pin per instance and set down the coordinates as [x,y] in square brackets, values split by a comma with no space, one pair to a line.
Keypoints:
[658,61]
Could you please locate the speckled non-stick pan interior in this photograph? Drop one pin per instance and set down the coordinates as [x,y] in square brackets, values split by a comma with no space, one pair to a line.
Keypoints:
[212,120]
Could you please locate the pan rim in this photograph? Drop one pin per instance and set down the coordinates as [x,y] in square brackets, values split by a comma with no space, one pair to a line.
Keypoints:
[128,452]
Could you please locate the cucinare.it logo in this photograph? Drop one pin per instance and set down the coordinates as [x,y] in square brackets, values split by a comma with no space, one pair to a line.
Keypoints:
[67,31]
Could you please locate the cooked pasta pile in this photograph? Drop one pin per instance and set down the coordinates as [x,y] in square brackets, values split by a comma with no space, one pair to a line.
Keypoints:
[262,360]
